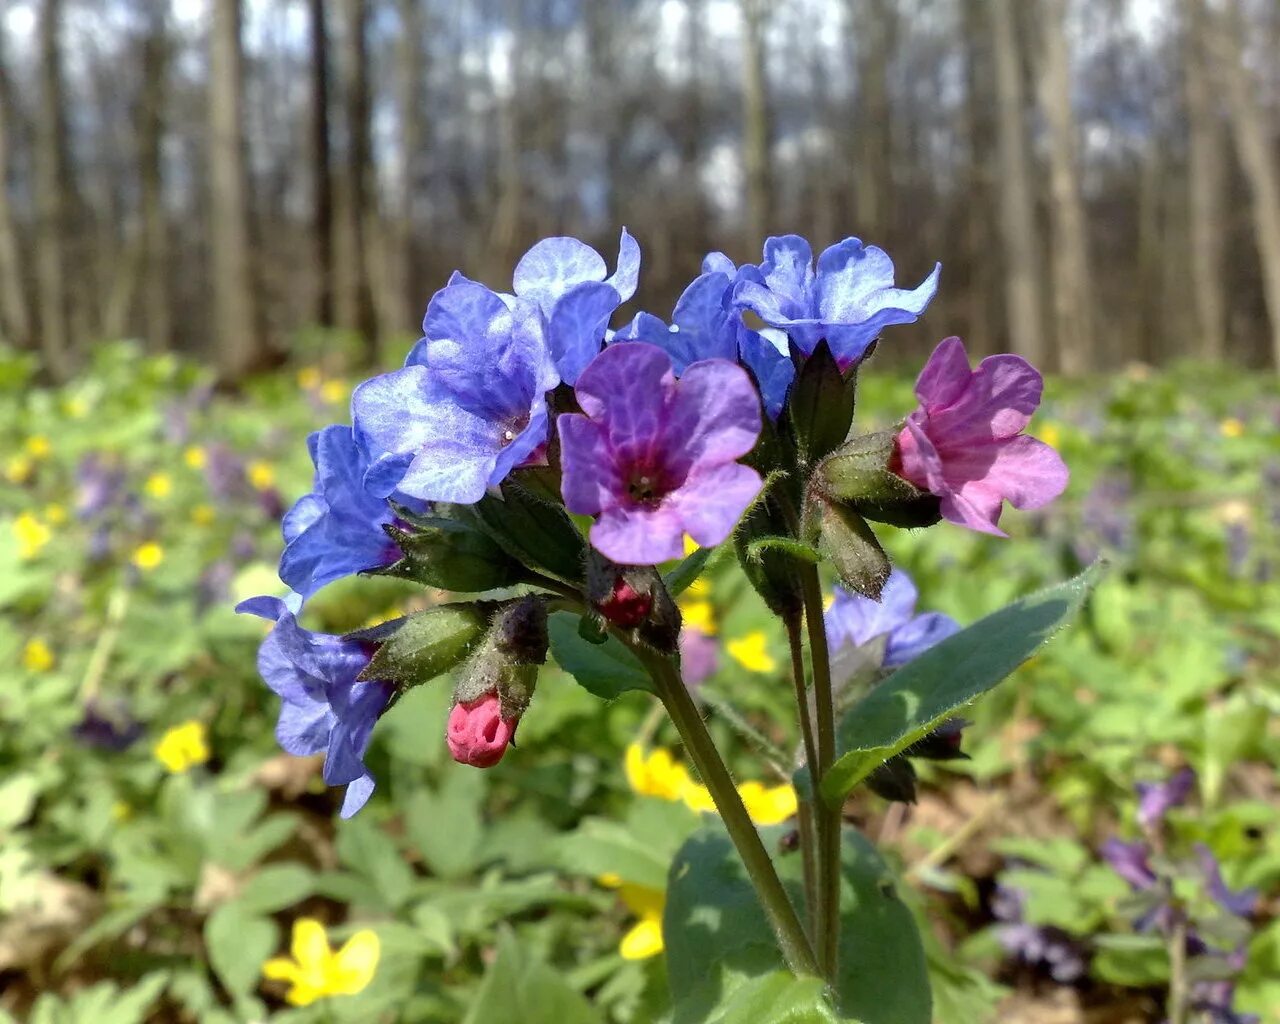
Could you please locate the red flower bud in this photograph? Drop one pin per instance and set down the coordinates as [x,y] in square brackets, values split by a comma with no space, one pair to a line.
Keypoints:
[626,606]
[478,734]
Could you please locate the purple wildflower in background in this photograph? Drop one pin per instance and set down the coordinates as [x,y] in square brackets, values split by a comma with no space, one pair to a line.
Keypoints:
[1156,799]
[469,405]
[655,458]
[1241,903]
[1106,518]
[566,280]
[847,301]
[1130,861]
[107,726]
[336,530]
[224,471]
[99,484]
[1041,946]
[699,657]
[325,709]
[965,442]
[706,325]
[857,620]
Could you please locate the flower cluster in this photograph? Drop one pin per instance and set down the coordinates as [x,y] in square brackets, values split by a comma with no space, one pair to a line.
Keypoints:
[525,442]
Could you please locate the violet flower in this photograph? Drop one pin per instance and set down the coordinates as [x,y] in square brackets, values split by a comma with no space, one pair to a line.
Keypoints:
[469,405]
[655,458]
[336,530]
[1035,945]
[848,301]
[325,708]
[699,657]
[566,280]
[1156,799]
[965,442]
[857,620]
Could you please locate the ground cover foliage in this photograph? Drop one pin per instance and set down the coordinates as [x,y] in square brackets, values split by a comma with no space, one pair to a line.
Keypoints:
[158,853]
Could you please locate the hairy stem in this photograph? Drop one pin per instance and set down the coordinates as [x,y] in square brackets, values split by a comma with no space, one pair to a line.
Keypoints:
[827,939]
[1178,1007]
[778,908]
[812,892]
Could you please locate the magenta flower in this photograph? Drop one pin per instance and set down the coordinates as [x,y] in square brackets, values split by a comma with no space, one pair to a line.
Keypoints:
[655,458]
[965,442]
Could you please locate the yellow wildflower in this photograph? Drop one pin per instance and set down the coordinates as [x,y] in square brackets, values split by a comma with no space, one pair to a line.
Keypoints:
[183,747]
[1231,427]
[261,475]
[699,588]
[309,378]
[769,805]
[334,391]
[699,615]
[148,556]
[1050,434]
[314,970]
[195,457]
[56,514]
[203,515]
[36,656]
[657,774]
[158,486]
[645,937]
[38,446]
[17,470]
[698,799]
[31,534]
[690,545]
[77,407]
[751,652]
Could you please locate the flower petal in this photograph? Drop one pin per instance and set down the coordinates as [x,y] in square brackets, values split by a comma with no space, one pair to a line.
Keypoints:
[626,278]
[310,945]
[552,267]
[713,500]
[639,535]
[577,326]
[356,962]
[642,941]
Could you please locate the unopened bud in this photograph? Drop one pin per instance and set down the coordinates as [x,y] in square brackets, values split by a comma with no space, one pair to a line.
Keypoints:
[633,597]
[478,734]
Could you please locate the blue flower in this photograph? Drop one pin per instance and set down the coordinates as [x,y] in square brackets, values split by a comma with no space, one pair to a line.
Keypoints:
[469,405]
[566,280]
[336,530]
[325,708]
[706,325]
[853,619]
[848,301]
[1156,799]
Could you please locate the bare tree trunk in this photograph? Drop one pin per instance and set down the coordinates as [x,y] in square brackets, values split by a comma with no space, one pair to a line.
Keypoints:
[235,320]
[983,255]
[1017,206]
[155,231]
[51,196]
[1257,157]
[756,134]
[1206,141]
[321,164]
[692,209]
[354,290]
[15,317]
[1069,251]
[873,27]
[411,73]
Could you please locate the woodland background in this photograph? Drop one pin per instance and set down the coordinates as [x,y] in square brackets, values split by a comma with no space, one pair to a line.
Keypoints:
[1099,177]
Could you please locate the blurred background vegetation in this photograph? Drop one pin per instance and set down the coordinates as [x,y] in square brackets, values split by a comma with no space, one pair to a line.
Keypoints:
[263,195]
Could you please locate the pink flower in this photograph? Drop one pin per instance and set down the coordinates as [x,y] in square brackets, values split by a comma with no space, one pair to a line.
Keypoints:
[478,734]
[965,442]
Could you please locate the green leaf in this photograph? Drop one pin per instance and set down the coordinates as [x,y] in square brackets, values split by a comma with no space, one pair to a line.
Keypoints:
[532,531]
[777,998]
[1134,961]
[606,670]
[446,826]
[679,579]
[717,937]
[518,987]
[239,943]
[276,887]
[372,853]
[788,546]
[921,694]
[17,797]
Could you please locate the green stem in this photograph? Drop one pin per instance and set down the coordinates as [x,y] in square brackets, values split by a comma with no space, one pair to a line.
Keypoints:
[812,893]
[790,933]
[1178,989]
[827,939]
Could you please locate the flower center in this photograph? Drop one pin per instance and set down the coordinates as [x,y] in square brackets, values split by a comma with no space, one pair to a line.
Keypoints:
[647,484]
[512,429]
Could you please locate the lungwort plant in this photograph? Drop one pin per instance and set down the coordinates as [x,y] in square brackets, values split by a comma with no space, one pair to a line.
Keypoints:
[569,481]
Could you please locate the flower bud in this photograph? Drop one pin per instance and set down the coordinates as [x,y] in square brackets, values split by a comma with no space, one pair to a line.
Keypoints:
[478,735]
[633,597]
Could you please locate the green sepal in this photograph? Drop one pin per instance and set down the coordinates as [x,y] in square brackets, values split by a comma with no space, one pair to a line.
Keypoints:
[532,531]
[852,548]
[507,662]
[770,572]
[451,555]
[858,473]
[820,404]
[427,644]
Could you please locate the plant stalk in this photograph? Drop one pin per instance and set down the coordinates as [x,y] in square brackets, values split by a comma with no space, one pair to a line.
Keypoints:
[792,940]
[812,892]
[827,939]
